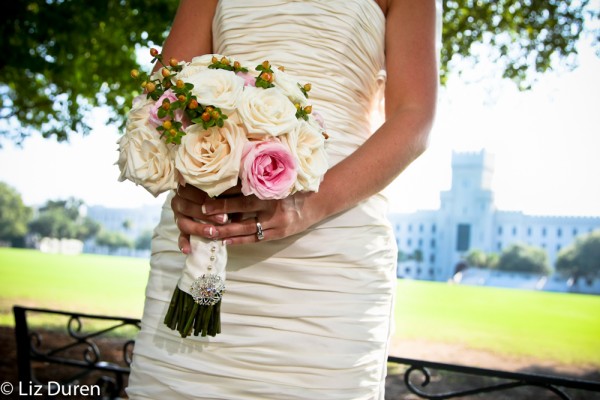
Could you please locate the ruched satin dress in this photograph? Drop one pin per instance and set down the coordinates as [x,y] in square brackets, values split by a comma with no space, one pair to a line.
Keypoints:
[308,316]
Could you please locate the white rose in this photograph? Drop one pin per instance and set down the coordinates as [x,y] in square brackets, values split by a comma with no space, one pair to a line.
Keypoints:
[140,112]
[210,159]
[307,144]
[267,111]
[289,86]
[217,87]
[146,160]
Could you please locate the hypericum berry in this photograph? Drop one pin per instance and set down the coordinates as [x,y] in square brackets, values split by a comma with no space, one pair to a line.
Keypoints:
[150,87]
[205,116]
[325,135]
[237,65]
[153,52]
[181,98]
[297,106]
[167,84]
[173,132]
[173,62]
[167,124]
[215,114]
[214,60]
[135,73]
[166,105]
[144,84]
[307,87]
[209,109]
[224,60]
[266,65]
[308,109]
[193,104]
[180,84]
[267,76]
[281,68]
[165,72]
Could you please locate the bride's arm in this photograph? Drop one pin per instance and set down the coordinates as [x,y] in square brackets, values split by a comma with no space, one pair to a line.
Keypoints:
[411,91]
[191,32]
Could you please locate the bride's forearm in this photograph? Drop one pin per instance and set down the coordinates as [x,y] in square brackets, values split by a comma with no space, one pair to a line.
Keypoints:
[397,143]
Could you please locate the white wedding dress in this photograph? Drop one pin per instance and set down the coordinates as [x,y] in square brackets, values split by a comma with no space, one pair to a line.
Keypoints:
[309,316]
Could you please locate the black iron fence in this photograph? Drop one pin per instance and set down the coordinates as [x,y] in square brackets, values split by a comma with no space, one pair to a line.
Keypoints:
[96,351]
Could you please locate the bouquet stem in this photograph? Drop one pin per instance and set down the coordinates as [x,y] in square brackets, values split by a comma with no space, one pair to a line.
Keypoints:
[197,310]
[186,316]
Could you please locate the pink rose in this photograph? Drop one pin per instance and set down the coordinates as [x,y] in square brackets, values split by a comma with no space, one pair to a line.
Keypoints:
[249,79]
[170,95]
[268,170]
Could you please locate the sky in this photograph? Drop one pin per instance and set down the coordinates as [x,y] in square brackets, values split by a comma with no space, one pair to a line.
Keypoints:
[545,143]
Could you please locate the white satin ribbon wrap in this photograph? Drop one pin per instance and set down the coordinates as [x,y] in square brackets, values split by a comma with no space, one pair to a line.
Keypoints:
[198,263]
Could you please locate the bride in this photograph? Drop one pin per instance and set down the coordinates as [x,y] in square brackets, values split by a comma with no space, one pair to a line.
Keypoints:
[311,281]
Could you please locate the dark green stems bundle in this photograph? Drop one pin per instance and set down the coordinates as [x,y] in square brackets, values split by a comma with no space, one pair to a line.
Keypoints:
[188,317]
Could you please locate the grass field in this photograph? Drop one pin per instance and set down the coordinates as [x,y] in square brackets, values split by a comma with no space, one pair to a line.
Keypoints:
[555,326]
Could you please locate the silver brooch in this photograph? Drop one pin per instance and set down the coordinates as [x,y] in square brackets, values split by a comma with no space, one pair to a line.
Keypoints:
[207,290]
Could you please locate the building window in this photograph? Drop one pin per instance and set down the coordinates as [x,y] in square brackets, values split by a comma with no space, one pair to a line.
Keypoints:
[432,258]
[499,246]
[407,270]
[410,227]
[514,231]
[559,232]
[421,228]
[409,242]
[463,237]
[574,232]
[420,243]
[499,230]
[433,228]
[528,231]
[544,232]
[432,243]
[430,271]
[558,247]
[418,270]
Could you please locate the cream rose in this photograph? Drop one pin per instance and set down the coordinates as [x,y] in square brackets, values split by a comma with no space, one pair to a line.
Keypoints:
[289,86]
[146,160]
[140,112]
[217,87]
[307,144]
[210,159]
[267,111]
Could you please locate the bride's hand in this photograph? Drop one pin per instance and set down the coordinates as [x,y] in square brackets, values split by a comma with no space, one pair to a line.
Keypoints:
[189,218]
[278,218]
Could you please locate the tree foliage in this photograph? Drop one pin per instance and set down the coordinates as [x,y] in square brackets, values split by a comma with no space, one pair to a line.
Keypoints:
[478,258]
[63,219]
[523,258]
[144,240]
[53,72]
[61,58]
[582,259]
[14,215]
[113,240]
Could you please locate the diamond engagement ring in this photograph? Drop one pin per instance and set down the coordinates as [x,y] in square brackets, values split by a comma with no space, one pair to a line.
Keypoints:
[259,231]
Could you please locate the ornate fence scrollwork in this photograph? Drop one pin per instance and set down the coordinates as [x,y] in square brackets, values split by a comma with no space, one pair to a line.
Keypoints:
[418,376]
[78,350]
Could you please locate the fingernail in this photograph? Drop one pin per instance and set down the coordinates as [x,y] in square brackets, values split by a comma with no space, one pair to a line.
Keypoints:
[226,242]
[221,218]
[210,231]
[206,209]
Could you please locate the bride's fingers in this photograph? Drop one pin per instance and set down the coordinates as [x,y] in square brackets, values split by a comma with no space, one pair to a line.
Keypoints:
[184,243]
[182,207]
[189,226]
[231,205]
[238,230]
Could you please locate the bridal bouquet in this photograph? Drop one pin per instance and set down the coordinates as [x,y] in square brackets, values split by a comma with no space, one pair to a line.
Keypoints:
[214,124]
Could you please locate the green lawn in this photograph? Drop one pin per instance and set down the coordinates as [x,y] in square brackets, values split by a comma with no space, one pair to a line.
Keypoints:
[561,327]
